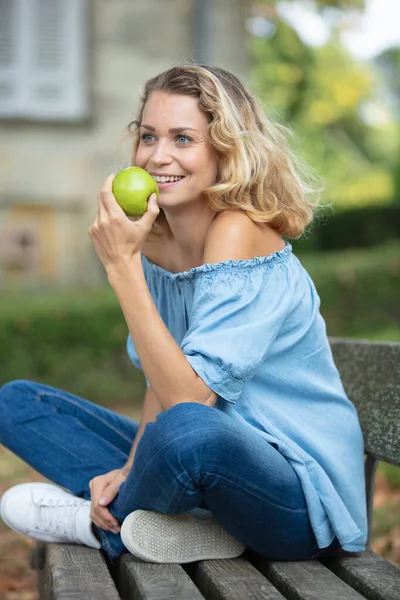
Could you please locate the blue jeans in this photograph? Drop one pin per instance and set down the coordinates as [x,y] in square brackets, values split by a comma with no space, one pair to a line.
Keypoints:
[192,456]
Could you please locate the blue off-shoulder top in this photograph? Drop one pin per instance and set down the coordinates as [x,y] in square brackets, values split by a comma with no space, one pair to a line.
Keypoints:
[252,330]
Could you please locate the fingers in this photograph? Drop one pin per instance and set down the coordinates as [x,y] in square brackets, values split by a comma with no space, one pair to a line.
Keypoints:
[111,490]
[105,520]
[102,517]
[106,199]
[152,205]
[107,207]
[147,220]
[103,490]
[113,232]
[94,227]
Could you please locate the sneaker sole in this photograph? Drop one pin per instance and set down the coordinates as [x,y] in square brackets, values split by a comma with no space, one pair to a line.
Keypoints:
[161,538]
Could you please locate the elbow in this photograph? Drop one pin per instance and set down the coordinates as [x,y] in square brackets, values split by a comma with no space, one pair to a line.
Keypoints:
[197,391]
[204,394]
[209,398]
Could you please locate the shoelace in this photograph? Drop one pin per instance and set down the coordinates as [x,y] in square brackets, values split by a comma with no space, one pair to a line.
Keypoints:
[58,517]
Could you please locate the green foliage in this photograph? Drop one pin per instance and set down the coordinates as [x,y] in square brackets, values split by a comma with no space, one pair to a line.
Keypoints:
[76,340]
[322,4]
[322,94]
[334,230]
[342,4]
[392,475]
[358,291]
[386,519]
[389,63]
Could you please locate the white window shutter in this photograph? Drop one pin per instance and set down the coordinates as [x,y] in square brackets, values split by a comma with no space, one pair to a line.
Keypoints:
[57,77]
[12,58]
[50,75]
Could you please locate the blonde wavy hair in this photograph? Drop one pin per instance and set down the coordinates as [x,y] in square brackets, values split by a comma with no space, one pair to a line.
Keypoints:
[257,171]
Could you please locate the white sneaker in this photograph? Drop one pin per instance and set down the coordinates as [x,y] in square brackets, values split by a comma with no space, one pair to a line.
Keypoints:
[46,512]
[161,538]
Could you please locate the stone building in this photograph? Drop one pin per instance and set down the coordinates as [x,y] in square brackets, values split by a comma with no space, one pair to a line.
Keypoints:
[71,72]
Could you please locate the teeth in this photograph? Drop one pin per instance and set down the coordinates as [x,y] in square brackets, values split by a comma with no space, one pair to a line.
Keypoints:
[163,179]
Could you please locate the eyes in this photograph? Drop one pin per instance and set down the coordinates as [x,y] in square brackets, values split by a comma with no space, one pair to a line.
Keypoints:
[183,140]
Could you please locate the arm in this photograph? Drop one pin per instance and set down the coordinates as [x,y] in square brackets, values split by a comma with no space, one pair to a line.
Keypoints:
[151,408]
[164,363]
[118,242]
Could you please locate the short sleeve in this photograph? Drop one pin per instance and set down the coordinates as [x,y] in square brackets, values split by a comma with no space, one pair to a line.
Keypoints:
[130,348]
[236,316]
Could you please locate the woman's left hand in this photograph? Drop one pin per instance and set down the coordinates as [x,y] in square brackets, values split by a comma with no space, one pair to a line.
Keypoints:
[115,236]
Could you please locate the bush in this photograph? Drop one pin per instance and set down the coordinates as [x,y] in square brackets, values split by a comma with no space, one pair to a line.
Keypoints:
[359,291]
[354,228]
[75,342]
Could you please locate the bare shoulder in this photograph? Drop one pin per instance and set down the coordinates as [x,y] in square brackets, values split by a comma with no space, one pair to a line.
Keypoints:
[234,236]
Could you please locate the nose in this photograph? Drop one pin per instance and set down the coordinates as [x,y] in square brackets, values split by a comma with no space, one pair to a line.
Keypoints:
[161,154]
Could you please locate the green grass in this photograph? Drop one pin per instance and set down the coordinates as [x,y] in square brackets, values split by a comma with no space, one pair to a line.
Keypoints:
[392,475]
[386,519]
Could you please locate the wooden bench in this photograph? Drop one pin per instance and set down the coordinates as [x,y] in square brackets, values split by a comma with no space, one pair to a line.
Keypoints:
[371,375]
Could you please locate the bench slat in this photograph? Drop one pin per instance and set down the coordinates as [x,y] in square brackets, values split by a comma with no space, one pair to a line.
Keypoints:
[152,581]
[232,579]
[368,573]
[72,571]
[370,372]
[306,580]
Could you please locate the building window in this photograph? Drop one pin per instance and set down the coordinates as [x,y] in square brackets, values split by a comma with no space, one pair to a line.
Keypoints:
[43,60]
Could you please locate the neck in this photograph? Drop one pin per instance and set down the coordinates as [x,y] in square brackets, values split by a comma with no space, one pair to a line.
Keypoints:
[188,234]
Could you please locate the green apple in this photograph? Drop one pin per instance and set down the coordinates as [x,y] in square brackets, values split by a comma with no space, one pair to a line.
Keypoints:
[132,188]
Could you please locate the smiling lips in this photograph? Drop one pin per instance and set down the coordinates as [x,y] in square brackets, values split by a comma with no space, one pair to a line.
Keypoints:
[167,178]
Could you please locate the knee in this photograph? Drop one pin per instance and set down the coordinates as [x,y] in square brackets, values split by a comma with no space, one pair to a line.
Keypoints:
[10,393]
[12,407]
[14,387]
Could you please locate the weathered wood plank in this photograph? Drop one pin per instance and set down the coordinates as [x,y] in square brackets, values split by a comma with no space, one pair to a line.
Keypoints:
[307,580]
[38,559]
[138,580]
[38,556]
[370,372]
[78,573]
[369,573]
[232,579]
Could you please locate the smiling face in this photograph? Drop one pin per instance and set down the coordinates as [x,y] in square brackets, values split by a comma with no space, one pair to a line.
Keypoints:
[175,148]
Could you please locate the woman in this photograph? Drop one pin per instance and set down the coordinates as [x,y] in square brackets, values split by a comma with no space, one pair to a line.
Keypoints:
[245,416]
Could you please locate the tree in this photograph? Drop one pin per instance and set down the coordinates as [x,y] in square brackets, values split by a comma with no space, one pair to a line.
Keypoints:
[321,93]
[389,64]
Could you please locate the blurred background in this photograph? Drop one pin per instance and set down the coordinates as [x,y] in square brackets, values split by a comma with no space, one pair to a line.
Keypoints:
[71,73]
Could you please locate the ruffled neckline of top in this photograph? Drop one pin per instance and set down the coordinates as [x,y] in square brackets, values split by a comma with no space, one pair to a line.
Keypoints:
[275,257]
